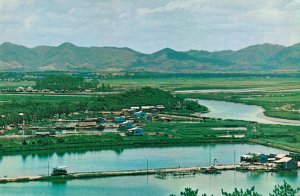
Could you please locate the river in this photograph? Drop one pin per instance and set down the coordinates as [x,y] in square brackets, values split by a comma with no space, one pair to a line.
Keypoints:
[128,159]
[149,185]
[136,158]
[238,111]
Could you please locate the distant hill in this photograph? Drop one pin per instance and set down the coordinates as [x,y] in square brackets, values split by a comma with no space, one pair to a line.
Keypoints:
[69,57]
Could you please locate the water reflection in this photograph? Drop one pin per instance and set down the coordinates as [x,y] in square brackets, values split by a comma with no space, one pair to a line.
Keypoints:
[128,158]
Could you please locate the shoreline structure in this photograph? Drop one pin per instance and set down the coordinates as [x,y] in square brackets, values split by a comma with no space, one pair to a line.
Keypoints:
[160,173]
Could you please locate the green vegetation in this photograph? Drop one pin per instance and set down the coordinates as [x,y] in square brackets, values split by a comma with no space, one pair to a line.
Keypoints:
[279,136]
[64,82]
[42,107]
[279,190]
[203,82]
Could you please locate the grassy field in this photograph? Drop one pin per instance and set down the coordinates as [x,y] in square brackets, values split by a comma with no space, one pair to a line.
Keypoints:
[186,83]
[157,133]
[176,132]
[15,84]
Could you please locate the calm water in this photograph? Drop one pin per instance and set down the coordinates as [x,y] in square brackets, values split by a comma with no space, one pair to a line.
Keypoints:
[237,111]
[143,185]
[128,159]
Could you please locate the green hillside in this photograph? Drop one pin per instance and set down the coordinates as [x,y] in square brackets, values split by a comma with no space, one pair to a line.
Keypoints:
[69,57]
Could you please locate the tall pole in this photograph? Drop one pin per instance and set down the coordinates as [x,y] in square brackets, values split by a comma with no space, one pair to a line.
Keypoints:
[234,156]
[48,168]
[147,170]
[209,157]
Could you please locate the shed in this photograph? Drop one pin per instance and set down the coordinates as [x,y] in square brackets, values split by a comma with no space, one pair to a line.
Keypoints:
[140,114]
[137,131]
[150,107]
[287,163]
[87,124]
[148,117]
[127,124]
[160,107]
[279,156]
[120,119]
[42,133]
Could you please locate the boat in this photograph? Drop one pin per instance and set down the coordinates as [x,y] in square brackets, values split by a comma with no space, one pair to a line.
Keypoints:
[59,171]
[212,171]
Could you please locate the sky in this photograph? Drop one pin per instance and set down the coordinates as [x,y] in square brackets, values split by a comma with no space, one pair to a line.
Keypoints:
[151,25]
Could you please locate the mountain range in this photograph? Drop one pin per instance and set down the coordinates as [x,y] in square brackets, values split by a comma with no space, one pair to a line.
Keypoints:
[69,57]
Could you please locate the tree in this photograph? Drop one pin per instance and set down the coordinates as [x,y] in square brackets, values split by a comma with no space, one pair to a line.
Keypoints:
[241,192]
[283,190]
[188,192]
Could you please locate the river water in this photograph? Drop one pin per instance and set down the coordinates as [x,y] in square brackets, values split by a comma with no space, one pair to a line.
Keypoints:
[136,158]
[238,111]
[128,159]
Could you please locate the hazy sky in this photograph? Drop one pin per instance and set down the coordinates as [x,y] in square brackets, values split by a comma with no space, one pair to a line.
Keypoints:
[150,25]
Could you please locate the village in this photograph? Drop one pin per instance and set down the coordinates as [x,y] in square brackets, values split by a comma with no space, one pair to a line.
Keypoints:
[127,122]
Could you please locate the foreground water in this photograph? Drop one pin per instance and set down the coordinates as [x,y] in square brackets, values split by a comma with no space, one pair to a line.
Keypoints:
[238,111]
[149,185]
[128,159]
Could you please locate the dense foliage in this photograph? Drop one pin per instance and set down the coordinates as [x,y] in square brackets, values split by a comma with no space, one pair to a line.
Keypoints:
[64,82]
[41,108]
[279,190]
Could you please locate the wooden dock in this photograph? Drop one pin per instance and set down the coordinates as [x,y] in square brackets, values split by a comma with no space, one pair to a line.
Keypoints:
[160,173]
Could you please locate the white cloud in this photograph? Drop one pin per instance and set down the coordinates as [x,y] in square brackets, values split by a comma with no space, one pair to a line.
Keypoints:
[151,25]
[29,21]
[172,6]
[9,4]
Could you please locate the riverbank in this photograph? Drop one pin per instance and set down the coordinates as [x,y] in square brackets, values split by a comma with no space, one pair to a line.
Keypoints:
[284,104]
[98,142]
[160,173]
[175,133]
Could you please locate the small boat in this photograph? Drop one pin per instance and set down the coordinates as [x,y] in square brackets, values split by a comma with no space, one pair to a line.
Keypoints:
[212,171]
[59,171]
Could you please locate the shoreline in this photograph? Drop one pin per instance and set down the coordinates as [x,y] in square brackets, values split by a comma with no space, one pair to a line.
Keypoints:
[119,147]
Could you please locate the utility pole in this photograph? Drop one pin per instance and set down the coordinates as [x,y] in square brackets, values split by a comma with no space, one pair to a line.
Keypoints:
[48,168]
[147,166]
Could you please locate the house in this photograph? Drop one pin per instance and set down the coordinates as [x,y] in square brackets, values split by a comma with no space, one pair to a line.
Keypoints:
[287,163]
[140,114]
[164,119]
[127,124]
[29,89]
[132,111]
[101,120]
[148,117]
[147,107]
[134,108]
[160,107]
[20,89]
[119,119]
[280,156]
[87,124]
[247,158]
[42,133]
[137,131]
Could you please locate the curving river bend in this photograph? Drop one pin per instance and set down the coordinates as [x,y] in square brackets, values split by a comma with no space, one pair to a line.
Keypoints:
[238,111]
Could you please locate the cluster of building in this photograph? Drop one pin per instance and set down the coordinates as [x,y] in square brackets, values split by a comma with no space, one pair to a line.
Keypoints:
[129,120]
[280,161]
[134,115]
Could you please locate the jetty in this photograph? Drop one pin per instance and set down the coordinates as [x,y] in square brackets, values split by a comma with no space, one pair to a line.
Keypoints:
[162,173]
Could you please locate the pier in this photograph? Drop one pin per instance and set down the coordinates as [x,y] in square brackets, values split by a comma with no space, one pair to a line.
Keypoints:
[159,173]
